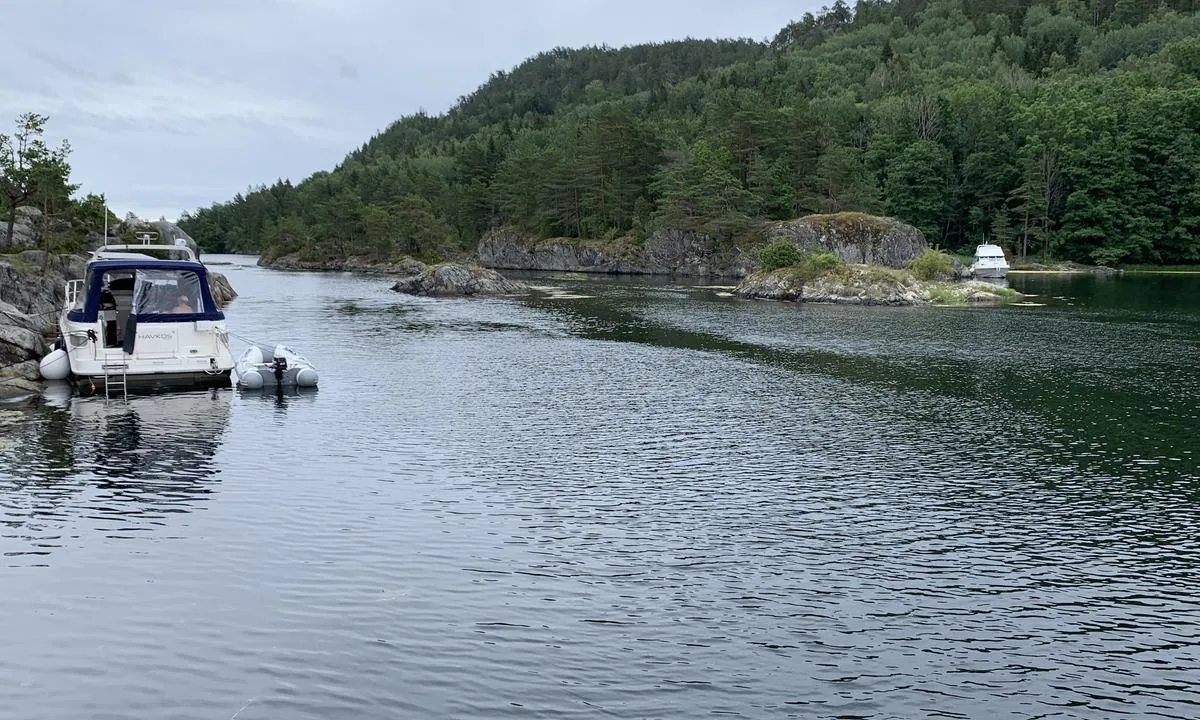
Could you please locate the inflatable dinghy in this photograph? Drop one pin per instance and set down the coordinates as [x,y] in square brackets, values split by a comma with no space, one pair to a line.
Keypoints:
[262,366]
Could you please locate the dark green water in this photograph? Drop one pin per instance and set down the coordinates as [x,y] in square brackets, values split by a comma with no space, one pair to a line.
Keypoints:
[626,499]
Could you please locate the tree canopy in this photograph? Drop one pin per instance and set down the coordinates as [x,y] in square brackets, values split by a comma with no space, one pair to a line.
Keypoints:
[36,175]
[1066,129]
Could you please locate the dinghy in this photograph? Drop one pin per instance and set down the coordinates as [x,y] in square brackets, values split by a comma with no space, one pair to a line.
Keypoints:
[262,366]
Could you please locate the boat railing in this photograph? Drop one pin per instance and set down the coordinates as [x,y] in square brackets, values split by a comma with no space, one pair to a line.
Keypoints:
[139,247]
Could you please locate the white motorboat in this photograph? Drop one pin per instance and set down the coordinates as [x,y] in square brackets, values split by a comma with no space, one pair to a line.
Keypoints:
[989,262]
[135,320]
[261,366]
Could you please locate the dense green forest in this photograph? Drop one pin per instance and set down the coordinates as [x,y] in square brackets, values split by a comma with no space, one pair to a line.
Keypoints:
[1065,129]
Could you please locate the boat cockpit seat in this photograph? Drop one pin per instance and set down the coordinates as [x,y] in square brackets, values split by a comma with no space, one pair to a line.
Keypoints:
[124,300]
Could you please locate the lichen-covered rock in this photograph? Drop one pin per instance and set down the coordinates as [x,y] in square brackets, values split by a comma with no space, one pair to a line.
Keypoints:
[20,341]
[513,251]
[958,271]
[449,279]
[34,281]
[168,232]
[854,237]
[222,291]
[26,232]
[868,285]
[850,284]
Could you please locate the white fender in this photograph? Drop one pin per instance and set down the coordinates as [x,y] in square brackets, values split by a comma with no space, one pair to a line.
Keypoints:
[56,365]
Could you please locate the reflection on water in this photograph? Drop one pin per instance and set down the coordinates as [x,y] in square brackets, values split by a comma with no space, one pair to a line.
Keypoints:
[87,457]
[279,397]
[625,499]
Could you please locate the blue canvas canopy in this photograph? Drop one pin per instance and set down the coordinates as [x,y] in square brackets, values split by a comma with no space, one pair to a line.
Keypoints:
[163,291]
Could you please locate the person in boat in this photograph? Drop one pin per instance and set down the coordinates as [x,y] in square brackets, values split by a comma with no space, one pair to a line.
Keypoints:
[183,306]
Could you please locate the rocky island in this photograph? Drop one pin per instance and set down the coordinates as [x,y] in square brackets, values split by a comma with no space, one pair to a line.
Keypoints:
[868,285]
[453,279]
[859,259]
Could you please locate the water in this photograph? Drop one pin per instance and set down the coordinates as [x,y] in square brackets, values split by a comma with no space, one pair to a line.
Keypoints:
[640,499]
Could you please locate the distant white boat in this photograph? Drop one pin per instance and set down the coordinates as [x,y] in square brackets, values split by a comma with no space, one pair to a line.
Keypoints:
[989,262]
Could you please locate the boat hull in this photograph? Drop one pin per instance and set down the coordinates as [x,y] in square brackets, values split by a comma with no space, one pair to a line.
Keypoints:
[990,272]
[158,382]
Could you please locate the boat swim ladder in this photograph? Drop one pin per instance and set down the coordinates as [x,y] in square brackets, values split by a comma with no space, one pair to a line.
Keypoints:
[115,378]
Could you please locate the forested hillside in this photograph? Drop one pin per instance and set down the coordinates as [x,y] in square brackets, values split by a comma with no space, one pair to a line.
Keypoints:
[1066,129]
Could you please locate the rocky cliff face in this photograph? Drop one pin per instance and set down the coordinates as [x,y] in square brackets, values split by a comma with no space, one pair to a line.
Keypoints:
[34,281]
[27,228]
[854,237]
[670,252]
[32,291]
[168,232]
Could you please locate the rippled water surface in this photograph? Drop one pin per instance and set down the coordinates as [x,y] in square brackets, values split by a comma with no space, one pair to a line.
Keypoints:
[625,499]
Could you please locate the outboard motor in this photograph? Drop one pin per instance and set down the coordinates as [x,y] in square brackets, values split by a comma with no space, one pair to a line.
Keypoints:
[279,366]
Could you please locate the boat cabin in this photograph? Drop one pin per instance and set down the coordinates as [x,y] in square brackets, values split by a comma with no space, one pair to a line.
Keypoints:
[989,252]
[122,293]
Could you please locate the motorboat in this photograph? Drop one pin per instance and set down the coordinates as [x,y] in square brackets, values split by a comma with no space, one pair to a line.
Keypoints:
[263,366]
[989,262]
[138,320]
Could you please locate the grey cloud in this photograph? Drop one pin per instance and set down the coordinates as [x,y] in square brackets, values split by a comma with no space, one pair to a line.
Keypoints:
[174,105]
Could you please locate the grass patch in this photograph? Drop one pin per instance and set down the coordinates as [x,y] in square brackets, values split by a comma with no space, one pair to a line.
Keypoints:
[881,274]
[943,294]
[946,293]
[810,266]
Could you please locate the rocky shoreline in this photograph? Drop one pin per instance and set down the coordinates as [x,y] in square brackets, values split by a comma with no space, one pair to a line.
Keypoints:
[448,279]
[859,284]
[1064,268]
[872,255]
[404,265]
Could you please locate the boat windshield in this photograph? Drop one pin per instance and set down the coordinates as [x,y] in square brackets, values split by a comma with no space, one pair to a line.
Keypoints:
[167,292]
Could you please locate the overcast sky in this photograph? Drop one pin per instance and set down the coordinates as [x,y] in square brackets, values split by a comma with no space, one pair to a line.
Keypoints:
[171,105]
